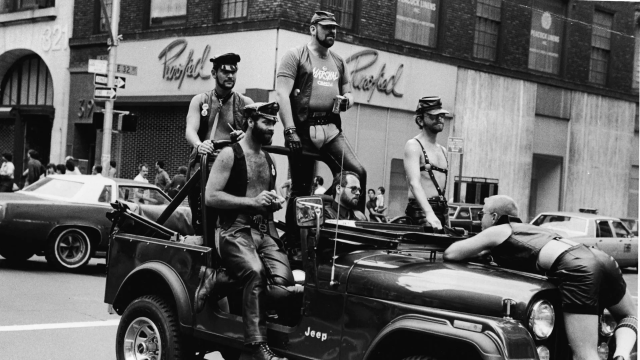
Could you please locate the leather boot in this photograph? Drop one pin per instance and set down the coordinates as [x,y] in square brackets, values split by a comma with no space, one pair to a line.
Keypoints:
[207,278]
[261,351]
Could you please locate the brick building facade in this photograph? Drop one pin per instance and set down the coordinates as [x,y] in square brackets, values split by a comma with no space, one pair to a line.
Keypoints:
[539,61]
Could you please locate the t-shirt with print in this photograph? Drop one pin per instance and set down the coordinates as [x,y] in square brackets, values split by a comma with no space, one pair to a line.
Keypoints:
[326,76]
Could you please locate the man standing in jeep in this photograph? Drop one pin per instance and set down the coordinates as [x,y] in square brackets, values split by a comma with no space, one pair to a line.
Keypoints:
[214,115]
[425,163]
[311,81]
[244,188]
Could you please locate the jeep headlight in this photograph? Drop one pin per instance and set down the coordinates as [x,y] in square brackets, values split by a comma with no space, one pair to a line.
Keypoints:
[542,319]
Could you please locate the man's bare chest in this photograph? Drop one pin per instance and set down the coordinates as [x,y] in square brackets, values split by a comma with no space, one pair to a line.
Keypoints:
[258,172]
[435,156]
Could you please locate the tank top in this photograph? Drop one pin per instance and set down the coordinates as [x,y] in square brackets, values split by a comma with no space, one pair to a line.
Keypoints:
[520,251]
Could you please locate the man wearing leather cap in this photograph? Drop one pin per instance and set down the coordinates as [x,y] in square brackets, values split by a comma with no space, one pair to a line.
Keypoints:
[244,189]
[309,80]
[425,163]
[214,115]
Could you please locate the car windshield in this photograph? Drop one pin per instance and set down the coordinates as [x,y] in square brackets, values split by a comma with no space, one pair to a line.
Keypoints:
[474,213]
[55,187]
[562,222]
[452,210]
[142,195]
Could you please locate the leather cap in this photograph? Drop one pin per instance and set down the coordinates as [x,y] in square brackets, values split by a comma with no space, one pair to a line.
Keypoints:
[431,105]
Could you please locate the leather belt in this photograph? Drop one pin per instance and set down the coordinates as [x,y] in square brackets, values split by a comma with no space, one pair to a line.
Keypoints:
[552,250]
[257,222]
[320,118]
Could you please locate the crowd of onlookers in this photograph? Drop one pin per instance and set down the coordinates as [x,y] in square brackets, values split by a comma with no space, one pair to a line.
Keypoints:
[35,170]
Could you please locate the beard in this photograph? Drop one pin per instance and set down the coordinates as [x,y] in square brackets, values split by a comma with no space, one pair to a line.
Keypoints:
[327,42]
[225,86]
[261,135]
[435,127]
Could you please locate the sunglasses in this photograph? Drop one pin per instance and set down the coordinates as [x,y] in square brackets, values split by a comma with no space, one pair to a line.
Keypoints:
[354,189]
[482,213]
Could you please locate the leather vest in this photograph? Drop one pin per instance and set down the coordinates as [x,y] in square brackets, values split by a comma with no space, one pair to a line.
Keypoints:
[208,97]
[304,82]
[520,251]
[237,183]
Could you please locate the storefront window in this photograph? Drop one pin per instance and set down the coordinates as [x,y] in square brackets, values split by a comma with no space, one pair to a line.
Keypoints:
[417,21]
[546,35]
[600,47]
[231,9]
[344,10]
[487,28]
[167,12]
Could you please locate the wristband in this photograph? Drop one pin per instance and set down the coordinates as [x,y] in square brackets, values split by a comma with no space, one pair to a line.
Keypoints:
[290,130]
[198,146]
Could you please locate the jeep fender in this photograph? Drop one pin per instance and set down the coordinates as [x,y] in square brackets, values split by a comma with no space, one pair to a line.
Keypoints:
[155,277]
[488,344]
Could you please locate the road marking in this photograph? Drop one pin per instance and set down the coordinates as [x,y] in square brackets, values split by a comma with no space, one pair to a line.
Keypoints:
[59,325]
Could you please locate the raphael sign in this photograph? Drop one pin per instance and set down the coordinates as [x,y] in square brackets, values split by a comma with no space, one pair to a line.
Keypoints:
[365,77]
[176,66]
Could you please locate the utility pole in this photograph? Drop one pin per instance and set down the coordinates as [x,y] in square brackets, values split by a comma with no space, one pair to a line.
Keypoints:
[108,113]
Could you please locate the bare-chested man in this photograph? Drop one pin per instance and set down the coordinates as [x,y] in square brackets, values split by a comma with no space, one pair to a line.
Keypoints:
[243,186]
[214,115]
[425,163]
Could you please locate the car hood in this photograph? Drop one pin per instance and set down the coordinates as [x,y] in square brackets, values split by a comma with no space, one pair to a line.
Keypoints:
[444,285]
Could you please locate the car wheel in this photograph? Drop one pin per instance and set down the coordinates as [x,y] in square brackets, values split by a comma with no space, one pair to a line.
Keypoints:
[149,330]
[70,249]
[16,253]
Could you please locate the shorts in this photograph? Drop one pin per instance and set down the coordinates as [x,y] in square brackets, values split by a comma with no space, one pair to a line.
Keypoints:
[589,280]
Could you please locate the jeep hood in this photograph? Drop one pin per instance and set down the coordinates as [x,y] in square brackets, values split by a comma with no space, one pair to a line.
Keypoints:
[444,285]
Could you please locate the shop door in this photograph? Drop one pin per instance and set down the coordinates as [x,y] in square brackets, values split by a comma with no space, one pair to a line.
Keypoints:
[38,136]
[546,184]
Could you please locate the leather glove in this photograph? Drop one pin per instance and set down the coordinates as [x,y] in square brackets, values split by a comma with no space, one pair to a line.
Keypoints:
[292,141]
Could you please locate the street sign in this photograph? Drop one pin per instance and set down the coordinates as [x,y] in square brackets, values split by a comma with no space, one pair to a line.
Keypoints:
[455,145]
[104,93]
[97,66]
[127,69]
[102,80]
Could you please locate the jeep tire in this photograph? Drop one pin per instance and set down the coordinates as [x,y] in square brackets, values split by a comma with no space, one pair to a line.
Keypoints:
[149,329]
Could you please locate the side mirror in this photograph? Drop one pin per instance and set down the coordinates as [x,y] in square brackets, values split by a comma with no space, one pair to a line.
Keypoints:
[309,211]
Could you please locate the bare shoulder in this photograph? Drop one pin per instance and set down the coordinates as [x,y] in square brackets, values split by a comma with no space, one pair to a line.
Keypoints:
[247,100]
[498,233]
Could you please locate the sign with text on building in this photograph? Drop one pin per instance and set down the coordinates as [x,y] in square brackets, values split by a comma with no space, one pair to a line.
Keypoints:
[455,145]
[102,80]
[417,21]
[97,66]
[104,93]
[546,36]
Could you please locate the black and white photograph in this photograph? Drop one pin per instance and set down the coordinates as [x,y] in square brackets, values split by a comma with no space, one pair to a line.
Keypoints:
[319,179]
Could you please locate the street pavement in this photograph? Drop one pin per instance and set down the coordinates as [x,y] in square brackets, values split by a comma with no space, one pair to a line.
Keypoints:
[51,315]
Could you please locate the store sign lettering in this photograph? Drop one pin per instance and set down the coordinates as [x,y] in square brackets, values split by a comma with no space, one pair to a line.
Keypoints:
[368,81]
[176,70]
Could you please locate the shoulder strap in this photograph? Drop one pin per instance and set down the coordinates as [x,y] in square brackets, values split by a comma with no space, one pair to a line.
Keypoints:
[340,66]
[272,169]
[430,171]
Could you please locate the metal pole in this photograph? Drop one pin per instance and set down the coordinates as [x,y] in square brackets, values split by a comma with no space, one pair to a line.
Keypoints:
[108,113]
[460,184]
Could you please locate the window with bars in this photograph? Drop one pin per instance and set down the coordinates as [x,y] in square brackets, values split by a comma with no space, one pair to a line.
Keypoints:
[102,23]
[233,9]
[344,10]
[168,12]
[27,82]
[485,43]
[636,73]
[600,47]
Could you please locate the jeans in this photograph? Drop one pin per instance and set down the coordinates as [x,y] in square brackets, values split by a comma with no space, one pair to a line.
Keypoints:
[240,246]
[338,155]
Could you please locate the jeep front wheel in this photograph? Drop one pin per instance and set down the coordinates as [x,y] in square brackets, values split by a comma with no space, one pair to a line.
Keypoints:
[149,330]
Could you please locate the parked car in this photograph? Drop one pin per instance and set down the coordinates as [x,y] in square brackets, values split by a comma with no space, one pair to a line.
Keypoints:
[607,233]
[368,291]
[64,216]
[465,216]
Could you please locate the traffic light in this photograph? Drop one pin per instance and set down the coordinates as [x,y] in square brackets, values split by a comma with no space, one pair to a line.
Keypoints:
[129,123]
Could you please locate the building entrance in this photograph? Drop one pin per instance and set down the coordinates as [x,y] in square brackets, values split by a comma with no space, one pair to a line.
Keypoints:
[546,184]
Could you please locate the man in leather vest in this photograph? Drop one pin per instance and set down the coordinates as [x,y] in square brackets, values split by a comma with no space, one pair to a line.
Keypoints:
[425,163]
[347,191]
[214,115]
[244,189]
[309,80]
